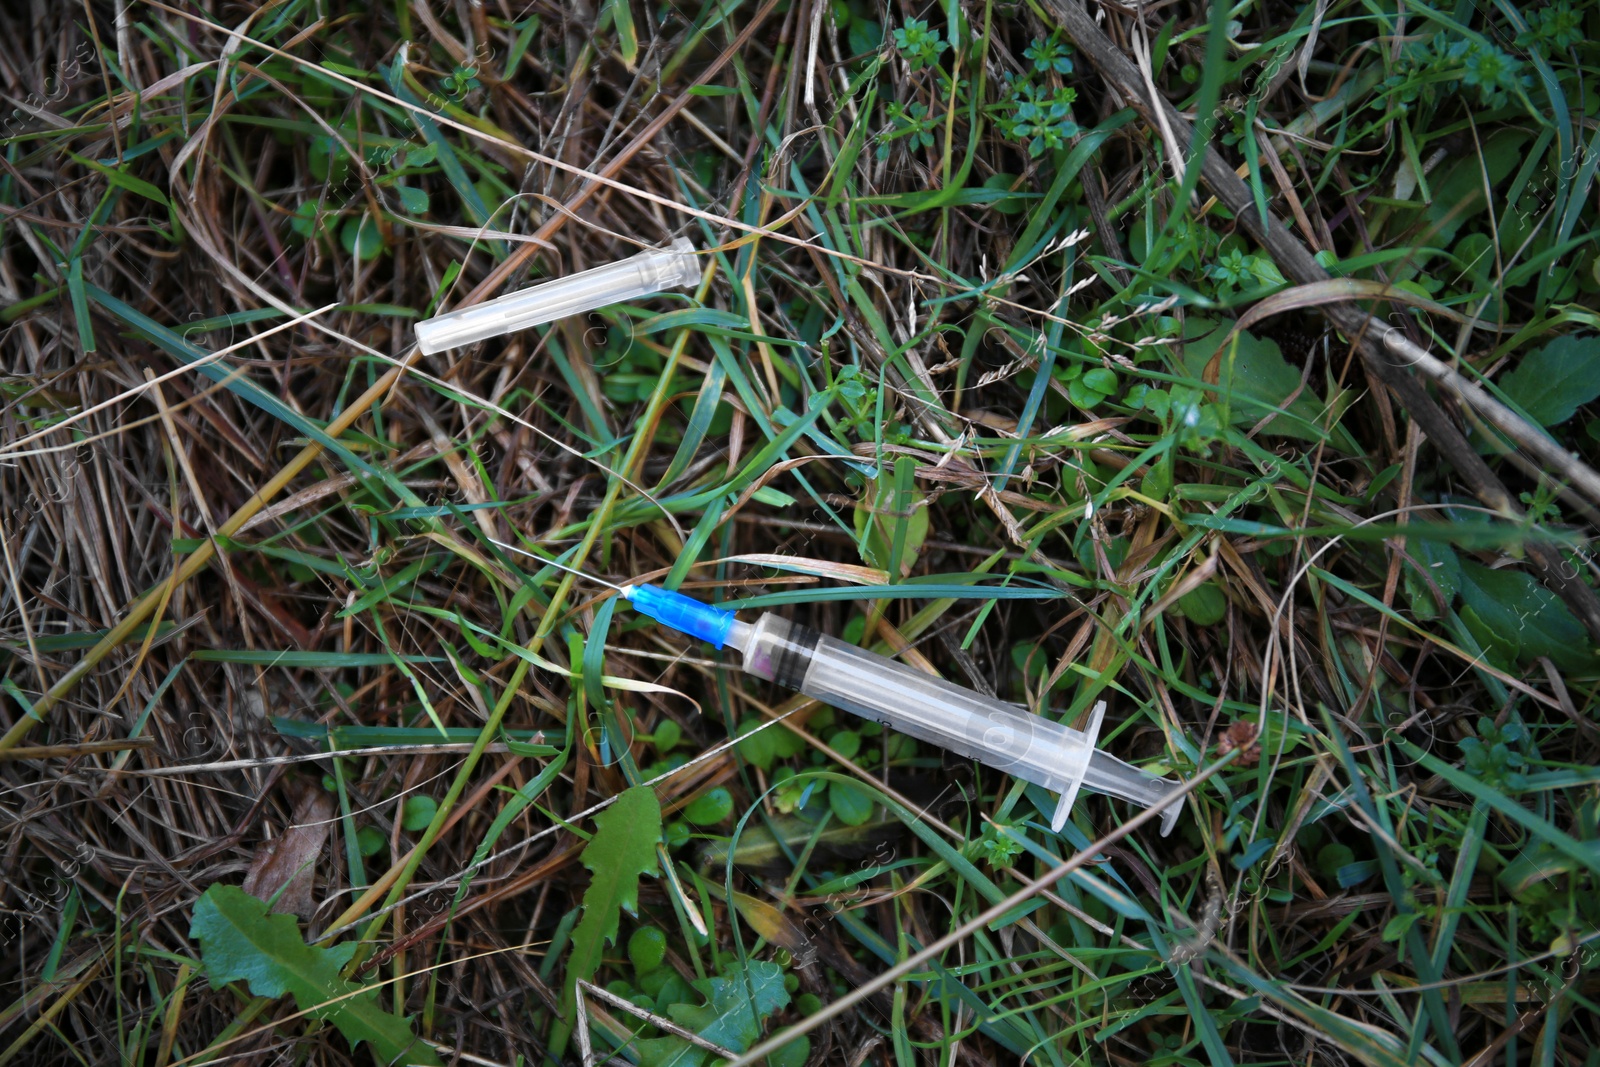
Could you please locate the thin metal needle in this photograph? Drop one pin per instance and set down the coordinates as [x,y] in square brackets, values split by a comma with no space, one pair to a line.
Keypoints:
[559,566]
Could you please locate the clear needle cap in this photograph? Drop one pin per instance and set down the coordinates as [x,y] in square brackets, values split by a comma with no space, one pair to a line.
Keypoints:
[640,275]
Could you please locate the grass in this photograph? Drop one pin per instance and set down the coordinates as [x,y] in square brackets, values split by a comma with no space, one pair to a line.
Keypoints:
[986,369]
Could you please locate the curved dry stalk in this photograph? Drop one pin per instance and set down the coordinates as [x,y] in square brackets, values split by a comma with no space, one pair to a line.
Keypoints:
[1370,334]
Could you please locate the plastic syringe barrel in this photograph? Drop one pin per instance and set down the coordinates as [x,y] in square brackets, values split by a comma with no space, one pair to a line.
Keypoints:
[930,709]
[640,275]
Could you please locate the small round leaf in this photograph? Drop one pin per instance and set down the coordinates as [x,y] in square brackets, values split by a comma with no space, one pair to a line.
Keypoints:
[711,808]
[646,949]
[1204,605]
[667,735]
[417,812]
[794,1054]
[756,747]
[851,805]
[360,237]
[414,201]
[370,841]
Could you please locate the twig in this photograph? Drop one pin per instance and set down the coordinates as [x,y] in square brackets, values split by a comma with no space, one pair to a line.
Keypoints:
[82,748]
[1508,422]
[1370,334]
[448,748]
[633,1009]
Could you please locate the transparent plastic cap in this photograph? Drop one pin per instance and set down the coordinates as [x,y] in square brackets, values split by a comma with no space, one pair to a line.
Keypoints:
[649,272]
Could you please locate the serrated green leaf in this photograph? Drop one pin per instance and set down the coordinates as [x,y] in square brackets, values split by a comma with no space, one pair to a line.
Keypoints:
[622,849]
[735,1004]
[731,1018]
[1552,383]
[241,942]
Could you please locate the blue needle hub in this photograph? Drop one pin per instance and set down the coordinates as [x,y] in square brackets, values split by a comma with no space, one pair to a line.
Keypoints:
[684,614]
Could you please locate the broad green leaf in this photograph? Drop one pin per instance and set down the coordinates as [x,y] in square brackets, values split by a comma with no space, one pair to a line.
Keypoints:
[1254,381]
[1552,383]
[1508,609]
[1458,197]
[1443,576]
[735,1004]
[894,513]
[864,36]
[731,1018]
[241,942]
[622,849]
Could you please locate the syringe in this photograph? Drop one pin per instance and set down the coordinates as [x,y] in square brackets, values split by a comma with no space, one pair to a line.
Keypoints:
[994,733]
